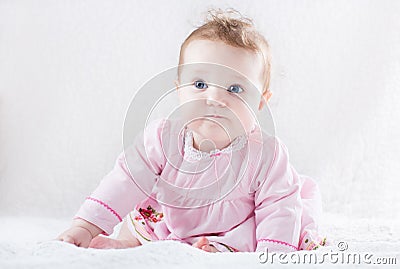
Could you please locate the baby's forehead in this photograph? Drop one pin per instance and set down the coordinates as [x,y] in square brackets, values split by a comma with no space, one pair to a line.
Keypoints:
[238,62]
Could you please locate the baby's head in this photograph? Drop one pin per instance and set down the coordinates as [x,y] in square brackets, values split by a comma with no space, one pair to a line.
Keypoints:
[230,79]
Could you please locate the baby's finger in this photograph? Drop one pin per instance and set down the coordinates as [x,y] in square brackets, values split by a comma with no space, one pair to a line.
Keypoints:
[68,239]
[206,248]
[201,242]
[209,248]
[197,244]
[60,237]
[205,240]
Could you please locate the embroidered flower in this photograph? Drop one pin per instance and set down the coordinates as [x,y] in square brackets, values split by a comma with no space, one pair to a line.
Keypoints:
[150,214]
[312,244]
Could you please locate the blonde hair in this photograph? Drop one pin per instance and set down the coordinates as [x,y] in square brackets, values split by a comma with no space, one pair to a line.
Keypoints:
[235,30]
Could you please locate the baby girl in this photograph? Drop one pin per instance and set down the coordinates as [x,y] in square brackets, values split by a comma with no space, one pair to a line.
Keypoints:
[212,178]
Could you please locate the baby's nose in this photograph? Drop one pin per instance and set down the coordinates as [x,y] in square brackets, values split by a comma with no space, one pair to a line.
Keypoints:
[215,96]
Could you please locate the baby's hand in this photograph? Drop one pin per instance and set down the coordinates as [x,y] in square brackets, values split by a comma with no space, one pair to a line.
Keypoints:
[80,233]
[205,245]
[78,236]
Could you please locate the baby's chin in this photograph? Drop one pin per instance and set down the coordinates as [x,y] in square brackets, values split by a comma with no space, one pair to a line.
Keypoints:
[215,132]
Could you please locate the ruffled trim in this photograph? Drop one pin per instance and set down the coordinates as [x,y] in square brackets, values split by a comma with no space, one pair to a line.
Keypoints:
[277,242]
[236,145]
[106,206]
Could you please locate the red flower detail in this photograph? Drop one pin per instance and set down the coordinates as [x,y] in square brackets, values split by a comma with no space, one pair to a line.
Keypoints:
[151,214]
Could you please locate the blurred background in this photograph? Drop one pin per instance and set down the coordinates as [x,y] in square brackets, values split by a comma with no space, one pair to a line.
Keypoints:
[69,69]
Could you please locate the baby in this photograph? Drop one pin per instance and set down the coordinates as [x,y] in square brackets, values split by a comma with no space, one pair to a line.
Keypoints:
[212,178]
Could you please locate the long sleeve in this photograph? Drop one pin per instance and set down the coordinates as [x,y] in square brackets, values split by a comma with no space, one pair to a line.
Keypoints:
[135,172]
[278,207]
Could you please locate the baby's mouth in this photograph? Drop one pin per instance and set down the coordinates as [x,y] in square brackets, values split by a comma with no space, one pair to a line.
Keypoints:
[214,116]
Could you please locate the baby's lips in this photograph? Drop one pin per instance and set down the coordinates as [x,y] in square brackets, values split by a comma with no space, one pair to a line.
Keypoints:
[216,116]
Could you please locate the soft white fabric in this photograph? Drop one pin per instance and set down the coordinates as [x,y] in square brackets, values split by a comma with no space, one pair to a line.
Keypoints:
[25,244]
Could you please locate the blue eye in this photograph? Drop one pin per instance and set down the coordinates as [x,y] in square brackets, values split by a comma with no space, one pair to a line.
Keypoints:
[235,89]
[199,84]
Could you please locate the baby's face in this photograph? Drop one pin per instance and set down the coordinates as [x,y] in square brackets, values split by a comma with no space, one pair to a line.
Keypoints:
[221,93]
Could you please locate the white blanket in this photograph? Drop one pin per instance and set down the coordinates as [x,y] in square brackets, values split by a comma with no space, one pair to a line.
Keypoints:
[27,243]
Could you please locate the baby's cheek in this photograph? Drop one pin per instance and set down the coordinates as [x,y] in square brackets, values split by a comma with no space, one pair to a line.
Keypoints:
[245,117]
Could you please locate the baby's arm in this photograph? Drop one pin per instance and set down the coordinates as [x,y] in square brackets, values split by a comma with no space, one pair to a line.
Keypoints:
[278,204]
[119,190]
[80,233]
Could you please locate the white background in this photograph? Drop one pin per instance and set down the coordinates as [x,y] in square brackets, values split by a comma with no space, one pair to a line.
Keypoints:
[68,70]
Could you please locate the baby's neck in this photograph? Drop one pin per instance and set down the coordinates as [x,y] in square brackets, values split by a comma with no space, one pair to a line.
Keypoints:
[208,144]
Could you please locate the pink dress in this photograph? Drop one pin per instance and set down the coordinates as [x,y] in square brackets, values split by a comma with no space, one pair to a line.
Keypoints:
[246,197]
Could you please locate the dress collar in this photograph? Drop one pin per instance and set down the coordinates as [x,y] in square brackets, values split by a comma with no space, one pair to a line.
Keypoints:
[236,145]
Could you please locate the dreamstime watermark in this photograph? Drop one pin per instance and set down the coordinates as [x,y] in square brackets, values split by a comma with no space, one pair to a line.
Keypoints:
[334,257]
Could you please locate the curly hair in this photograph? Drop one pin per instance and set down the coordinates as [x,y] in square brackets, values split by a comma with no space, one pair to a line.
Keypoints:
[233,29]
